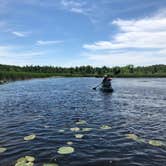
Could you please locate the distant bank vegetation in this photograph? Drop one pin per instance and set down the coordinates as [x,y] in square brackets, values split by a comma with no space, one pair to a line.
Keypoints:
[12,73]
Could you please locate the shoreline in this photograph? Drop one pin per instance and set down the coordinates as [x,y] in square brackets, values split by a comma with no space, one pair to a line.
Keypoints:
[5,81]
[9,73]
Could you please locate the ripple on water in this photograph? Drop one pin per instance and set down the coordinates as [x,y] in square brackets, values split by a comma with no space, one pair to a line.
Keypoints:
[45,106]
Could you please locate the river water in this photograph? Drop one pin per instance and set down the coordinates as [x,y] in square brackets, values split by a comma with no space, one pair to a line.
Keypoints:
[45,106]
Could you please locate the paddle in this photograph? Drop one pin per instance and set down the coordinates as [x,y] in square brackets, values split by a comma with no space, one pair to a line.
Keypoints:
[96,86]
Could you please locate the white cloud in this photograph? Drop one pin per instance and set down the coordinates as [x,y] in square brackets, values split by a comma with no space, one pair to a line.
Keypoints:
[73,6]
[147,36]
[148,32]
[15,55]
[71,3]
[19,34]
[136,58]
[76,6]
[100,45]
[12,52]
[48,42]
[76,10]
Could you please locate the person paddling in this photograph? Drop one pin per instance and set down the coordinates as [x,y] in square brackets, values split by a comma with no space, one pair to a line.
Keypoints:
[106,83]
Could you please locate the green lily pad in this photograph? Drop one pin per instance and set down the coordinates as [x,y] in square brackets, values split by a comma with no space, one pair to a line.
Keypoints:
[156,143]
[25,161]
[135,138]
[132,136]
[22,159]
[21,164]
[2,150]
[87,129]
[30,158]
[65,150]
[81,122]
[141,140]
[69,143]
[105,127]
[75,129]
[50,164]
[79,136]
[29,164]
[30,137]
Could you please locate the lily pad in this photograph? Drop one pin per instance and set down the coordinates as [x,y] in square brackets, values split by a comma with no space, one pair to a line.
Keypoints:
[30,137]
[50,164]
[156,143]
[132,136]
[2,150]
[105,127]
[30,158]
[135,138]
[75,129]
[69,143]
[79,136]
[21,164]
[81,122]
[86,129]
[65,150]
[22,159]
[29,164]
[141,140]
[25,161]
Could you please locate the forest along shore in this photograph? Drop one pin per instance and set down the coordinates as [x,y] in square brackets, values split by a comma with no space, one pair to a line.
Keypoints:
[10,73]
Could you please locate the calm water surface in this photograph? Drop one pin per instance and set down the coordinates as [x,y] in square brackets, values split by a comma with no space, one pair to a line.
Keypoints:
[44,106]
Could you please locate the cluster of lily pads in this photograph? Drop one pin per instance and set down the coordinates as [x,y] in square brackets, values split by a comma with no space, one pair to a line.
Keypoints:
[78,135]
[78,129]
[68,149]
[142,140]
[29,160]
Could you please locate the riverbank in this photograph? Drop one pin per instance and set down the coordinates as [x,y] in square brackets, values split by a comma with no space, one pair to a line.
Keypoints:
[6,77]
[3,82]
[9,76]
[13,73]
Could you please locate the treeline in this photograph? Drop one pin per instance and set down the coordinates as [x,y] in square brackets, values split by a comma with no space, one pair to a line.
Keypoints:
[10,72]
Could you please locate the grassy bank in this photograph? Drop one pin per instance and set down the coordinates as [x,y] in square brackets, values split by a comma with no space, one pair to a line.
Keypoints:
[9,76]
[13,73]
[141,75]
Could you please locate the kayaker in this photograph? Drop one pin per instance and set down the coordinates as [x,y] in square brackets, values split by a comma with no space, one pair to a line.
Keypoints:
[106,83]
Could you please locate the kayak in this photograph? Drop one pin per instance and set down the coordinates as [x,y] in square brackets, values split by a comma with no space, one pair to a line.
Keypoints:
[106,89]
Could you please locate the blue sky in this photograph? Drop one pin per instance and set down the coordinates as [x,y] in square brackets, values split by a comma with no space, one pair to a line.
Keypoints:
[83,32]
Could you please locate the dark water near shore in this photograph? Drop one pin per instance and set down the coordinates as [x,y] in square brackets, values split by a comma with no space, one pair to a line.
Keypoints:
[43,106]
